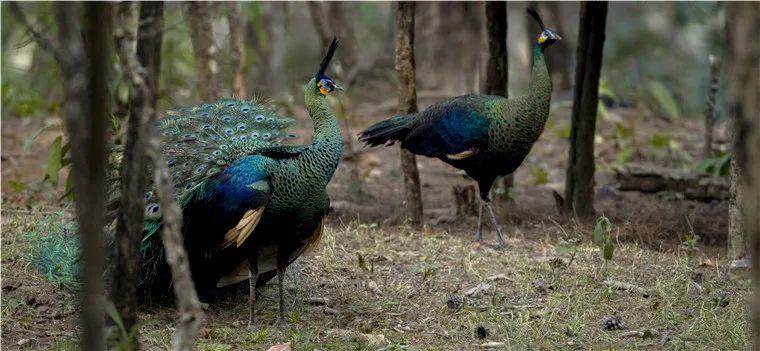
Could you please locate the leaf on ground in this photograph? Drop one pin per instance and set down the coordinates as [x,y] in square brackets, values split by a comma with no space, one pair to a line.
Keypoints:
[280,347]
[478,289]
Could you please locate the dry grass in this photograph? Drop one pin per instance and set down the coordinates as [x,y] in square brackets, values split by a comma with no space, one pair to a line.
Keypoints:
[395,282]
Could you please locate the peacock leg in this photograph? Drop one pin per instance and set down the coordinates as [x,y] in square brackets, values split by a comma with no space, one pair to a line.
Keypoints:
[281,278]
[480,222]
[253,272]
[502,243]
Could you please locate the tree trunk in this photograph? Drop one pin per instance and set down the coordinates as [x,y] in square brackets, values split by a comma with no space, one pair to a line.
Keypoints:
[407,103]
[237,49]
[579,183]
[85,67]
[743,68]
[127,14]
[341,14]
[199,14]
[559,61]
[707,151]
[497,68]
[317,15]
[134,175]
[273,53]
[737,243]
[191,316]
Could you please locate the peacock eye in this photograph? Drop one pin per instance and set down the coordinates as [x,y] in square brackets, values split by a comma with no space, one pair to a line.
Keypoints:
[241,126]
[204,115]
[254,135]
[206,126]
[188,186]
[226,119]
[245,109]
[230,104]
[259,118]
[266,136]
[228,131]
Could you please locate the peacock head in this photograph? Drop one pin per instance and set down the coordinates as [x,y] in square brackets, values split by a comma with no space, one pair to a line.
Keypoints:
[325,84]
[548,36]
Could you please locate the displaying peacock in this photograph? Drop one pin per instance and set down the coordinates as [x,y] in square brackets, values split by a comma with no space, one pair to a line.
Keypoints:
[486,136]
[250,203]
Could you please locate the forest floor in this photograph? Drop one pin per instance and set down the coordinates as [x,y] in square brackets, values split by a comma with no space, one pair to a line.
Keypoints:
[387,286]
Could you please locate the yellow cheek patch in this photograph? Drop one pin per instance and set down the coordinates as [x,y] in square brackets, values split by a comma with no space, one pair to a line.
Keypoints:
[324,91]
[541,39]
[463,155]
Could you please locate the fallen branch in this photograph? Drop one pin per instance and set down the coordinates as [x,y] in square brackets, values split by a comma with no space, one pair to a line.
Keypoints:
[652,179]
[627,287]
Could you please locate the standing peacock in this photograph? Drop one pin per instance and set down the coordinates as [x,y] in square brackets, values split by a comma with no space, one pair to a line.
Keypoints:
[249,202]
[486,136]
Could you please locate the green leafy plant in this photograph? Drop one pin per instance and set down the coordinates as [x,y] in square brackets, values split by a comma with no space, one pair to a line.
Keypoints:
[603,238]
[604,92]
[718,166]
[663,100]
[539,174]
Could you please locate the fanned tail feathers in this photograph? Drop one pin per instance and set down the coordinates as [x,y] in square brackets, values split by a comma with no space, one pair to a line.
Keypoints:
[201,141]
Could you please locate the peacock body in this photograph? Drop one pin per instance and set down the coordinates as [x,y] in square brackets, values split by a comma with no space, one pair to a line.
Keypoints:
[486,136]
[250,203]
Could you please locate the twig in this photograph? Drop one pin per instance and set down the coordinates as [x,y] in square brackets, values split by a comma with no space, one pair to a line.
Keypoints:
[41,40]
[191,315]
[627,287]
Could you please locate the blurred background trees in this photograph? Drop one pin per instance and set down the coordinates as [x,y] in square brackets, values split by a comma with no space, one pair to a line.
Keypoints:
[657,57]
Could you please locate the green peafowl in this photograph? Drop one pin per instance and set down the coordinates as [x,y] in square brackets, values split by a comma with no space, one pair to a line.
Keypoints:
[250,203]
[486,136]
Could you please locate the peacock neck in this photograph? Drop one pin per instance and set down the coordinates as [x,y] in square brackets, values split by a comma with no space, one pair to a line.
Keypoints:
[328,142]
[540,89]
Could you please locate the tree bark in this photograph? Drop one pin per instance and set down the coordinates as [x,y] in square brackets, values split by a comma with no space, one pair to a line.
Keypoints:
[237,49]
[743,67]
[579,183]
[191,316]
[407,103]
[317,15]
[85,75]
[134,175]
[497,68]
[341,13]
[204,49]
[559,61]
[707,151]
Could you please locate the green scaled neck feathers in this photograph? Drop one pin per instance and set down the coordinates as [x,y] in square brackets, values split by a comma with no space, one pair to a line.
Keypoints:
[540,81]
[325,124]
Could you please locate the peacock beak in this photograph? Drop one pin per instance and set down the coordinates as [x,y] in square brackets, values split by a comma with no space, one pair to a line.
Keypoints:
[338,87]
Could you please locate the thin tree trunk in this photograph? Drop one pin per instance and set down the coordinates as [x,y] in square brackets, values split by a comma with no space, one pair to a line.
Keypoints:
[134,179]
[190,314]
[317,15]
[85,75]
[579,184]
[341,13]
[559,61]
[407,103]
[273,54]
[707,151]
[237,49]
[497,68]
[127,14]
[743,68]
[204,49]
